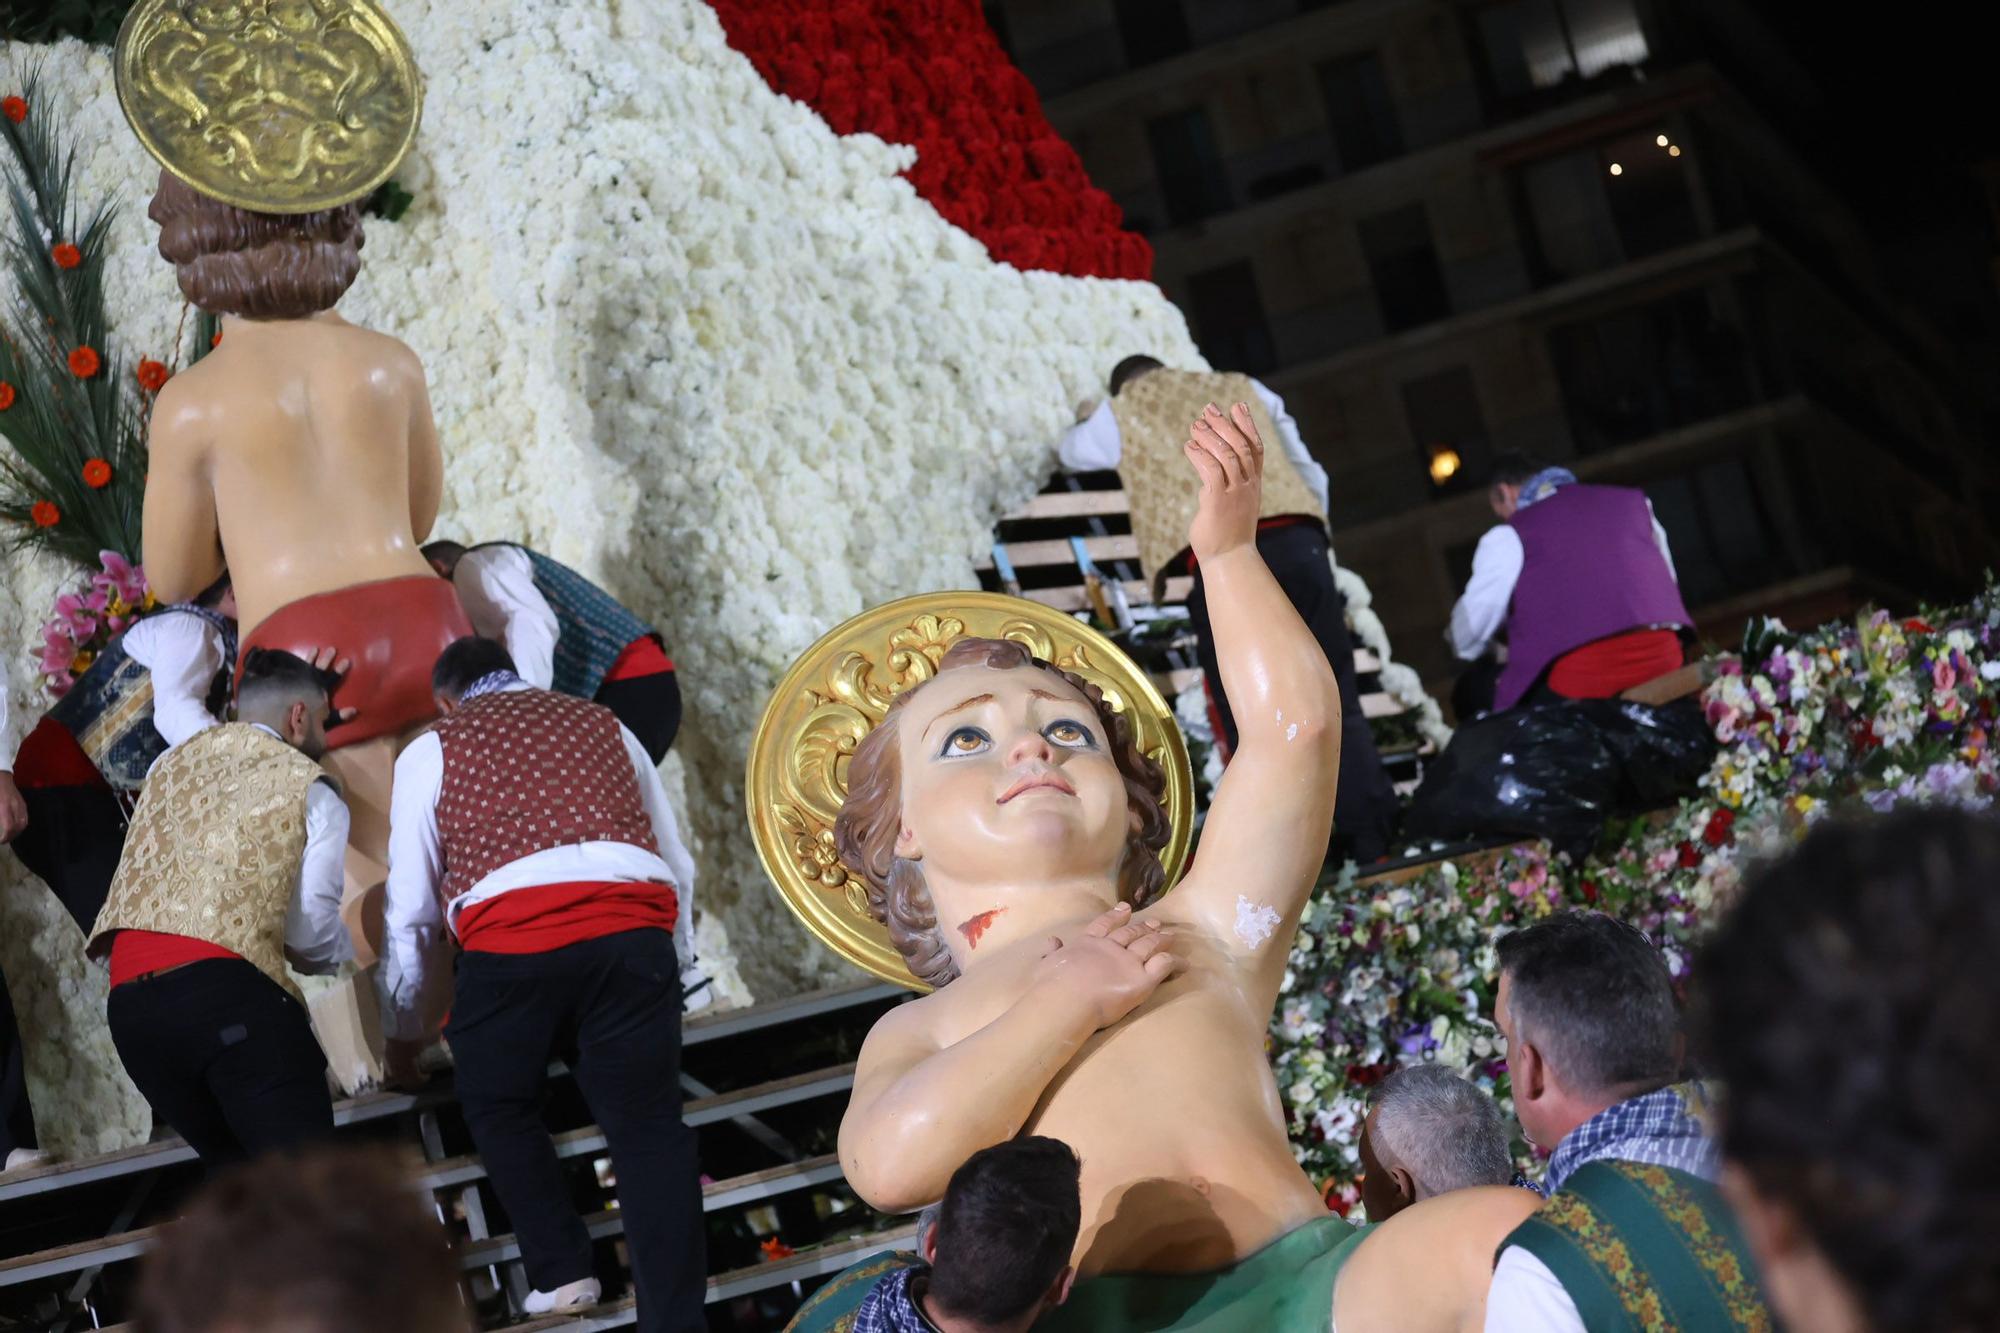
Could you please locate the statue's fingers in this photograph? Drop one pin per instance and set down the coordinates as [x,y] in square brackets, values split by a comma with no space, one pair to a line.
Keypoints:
[1212,475]
[1150,945]
[1234,466]
[1109,921]
[1240,415]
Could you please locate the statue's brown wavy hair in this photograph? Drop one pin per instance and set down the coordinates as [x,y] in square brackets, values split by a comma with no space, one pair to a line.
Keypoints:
[231,261]
[872,815]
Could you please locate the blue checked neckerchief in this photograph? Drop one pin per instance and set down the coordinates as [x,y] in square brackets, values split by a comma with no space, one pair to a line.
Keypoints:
[1664,1128]
[1544,484]
[890,1308]
[491,683]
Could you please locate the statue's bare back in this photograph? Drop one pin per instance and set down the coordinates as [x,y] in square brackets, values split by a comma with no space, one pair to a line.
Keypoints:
[303,448]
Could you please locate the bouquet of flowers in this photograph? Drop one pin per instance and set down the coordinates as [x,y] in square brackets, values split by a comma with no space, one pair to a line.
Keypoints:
[100,608]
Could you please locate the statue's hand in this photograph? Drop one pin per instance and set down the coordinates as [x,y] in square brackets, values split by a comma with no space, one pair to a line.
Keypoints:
[1227,453]
[1114,965]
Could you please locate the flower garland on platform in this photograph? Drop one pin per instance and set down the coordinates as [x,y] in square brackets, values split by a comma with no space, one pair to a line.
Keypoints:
[1872,713]
[103,605]
[936,78]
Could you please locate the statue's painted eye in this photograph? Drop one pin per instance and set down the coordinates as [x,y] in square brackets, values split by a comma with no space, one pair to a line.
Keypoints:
[966,740]
[1066,731]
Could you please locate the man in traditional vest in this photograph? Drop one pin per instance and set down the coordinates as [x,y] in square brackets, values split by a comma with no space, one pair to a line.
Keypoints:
[231,869]
[533,825]
[567,634]
[1141,430]
[1635,1233]
[1581,577]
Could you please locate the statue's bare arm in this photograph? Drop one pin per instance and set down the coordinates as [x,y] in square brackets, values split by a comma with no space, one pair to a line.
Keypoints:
[1265,837]
[426,456]
[182,542]
[920,1107]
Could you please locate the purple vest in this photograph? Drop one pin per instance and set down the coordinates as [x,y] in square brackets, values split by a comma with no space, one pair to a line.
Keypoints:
[1590,570]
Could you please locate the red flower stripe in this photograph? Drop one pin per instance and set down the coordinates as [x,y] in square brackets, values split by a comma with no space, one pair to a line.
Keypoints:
[934,77]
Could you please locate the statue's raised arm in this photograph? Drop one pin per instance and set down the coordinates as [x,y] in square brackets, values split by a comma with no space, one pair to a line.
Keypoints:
[1264,841]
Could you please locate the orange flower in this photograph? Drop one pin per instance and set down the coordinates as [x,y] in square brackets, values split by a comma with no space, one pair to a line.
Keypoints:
[774,1249]
[14,108]
[45,514]
[216,341]
[152,375]
[84,362]
[96,473]
[6,395]
[66,255]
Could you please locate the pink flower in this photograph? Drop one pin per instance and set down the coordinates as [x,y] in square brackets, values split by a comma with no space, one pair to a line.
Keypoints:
[57,653]
[1942,675]
[122,576]
[76,613]
[59,683]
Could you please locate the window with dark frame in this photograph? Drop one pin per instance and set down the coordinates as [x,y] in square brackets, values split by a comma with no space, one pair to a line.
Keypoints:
[1402,261]
[1360,111]
[1227,312]
[1530,46]
[1450,431]
[1188,165]
[1152,30]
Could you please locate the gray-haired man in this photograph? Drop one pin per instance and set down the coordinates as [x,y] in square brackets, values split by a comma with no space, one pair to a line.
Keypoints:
[1429,1132]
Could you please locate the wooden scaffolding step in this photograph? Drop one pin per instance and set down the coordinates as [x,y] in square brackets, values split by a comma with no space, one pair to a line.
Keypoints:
[706,1027]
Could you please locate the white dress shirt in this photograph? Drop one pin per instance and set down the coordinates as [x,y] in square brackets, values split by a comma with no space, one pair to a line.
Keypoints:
[316,940]
[1094,444]
[1525,1297]
[1496,568]
[182,653]
[496,585]
[413,915]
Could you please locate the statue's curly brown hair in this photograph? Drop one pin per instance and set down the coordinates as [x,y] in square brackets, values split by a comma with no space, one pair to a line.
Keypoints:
[872,815]
[231,261]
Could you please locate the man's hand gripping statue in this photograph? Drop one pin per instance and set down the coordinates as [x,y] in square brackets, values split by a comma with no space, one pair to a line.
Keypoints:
[1008,829]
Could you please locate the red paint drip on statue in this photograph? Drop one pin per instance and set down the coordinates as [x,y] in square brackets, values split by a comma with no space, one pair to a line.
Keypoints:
[977,926]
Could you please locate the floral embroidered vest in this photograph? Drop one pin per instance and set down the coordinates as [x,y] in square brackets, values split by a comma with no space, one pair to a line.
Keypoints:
[214,849]
[527,770]
[1154,413]
[1641,1247]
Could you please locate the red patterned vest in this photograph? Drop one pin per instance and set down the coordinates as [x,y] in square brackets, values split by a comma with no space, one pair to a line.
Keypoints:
[527,770]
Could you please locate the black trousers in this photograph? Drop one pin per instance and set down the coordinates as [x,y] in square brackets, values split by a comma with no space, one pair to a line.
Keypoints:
[649,706]
[612,1008]
[72,842]
[1365,808]
[226,1056]
[17,1118]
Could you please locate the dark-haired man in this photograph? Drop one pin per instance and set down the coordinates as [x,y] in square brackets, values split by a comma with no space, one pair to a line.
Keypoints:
[1581,578]
[232,869]
[1850,1004]
[533,826]
[566,634]
[1141,430]
[996,1260]
[1635,1233]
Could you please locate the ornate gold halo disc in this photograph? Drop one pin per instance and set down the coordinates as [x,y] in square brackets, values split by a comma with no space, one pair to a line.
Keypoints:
[841,687]
[278,106]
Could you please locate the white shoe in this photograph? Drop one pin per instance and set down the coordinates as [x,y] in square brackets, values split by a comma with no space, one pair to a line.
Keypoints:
[569,1296]
[25,1159]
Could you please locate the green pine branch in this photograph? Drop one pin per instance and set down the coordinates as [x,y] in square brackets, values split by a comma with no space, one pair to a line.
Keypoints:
[58,420]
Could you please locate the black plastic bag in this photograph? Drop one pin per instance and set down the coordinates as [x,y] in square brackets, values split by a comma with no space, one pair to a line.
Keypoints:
[1559,770]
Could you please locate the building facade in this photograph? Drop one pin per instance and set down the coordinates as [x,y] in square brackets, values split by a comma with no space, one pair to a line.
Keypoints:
[1444,229]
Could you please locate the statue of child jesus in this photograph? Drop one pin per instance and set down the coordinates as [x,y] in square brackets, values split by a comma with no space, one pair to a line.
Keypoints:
[1007,828]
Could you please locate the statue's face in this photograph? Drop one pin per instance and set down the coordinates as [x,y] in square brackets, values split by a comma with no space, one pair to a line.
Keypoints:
[1007,777]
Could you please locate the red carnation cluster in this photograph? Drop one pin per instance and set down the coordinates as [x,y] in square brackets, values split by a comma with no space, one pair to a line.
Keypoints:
[934,77]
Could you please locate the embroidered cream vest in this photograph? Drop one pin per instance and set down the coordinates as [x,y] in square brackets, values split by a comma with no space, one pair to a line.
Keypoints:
[215,845]
[1154,413]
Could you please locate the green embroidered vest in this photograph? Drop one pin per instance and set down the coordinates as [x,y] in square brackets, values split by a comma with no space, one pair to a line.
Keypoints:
[1641,1247]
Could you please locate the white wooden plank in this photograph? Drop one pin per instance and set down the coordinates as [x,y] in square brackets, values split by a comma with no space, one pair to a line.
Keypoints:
[1073,504]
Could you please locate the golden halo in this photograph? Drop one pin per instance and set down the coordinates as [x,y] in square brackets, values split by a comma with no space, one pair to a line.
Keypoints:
[277,106]
[842,686]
